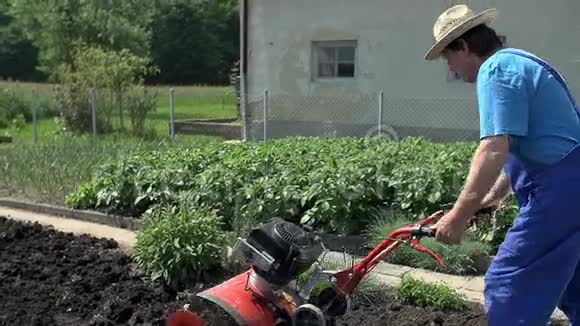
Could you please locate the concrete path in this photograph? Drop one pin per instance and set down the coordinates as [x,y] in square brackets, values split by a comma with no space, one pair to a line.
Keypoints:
[471,287]
[125,238]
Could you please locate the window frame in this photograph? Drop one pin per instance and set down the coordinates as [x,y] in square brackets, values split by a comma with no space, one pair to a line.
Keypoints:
[334,45]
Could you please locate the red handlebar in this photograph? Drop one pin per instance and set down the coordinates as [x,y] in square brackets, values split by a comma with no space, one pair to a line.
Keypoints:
[347,280]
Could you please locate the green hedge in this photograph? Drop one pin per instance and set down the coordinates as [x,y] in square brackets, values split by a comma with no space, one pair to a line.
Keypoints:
[334,183]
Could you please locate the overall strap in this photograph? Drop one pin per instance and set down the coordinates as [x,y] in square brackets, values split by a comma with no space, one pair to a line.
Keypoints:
[554,73]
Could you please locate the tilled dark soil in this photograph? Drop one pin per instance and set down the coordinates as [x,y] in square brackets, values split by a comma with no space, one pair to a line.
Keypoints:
[49,277]
[383,311]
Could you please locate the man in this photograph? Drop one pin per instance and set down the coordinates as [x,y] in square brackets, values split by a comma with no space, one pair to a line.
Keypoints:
[530,135]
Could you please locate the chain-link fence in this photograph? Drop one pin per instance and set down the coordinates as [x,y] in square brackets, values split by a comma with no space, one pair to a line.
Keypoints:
[41,112]
[169,112]
[270,116]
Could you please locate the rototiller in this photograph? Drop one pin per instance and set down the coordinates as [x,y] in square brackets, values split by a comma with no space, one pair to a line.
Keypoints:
[278,252]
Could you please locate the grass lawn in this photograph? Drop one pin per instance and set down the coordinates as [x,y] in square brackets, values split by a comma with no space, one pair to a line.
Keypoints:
[191,102]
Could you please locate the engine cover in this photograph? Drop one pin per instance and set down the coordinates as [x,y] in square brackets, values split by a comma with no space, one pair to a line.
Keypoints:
[279,251]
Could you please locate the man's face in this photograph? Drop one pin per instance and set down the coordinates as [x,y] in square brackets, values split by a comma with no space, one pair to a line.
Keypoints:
[462,62]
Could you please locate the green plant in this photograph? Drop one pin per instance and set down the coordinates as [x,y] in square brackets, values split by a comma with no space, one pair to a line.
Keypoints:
[12,107]
[140,103]
[48,172]
[3,119]
[331,184]
[418,292]
[179,244]
[82,198]
[64,166]
[72,100]
[493,230]
[110,72]
[18,122]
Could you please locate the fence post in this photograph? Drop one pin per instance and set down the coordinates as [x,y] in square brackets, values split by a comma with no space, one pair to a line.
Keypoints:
[172,114]
[265,114]
[380,110]
[119,96]
[242,103]
[34,109]
[94,111]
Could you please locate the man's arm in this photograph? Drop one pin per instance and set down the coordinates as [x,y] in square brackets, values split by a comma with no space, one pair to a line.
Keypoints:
[498,192]
[485,170]
[503,101]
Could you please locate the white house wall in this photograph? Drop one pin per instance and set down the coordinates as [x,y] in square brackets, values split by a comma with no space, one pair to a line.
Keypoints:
[392,37]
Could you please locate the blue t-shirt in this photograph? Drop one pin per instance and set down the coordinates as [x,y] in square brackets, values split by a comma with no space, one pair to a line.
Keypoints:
[519,97]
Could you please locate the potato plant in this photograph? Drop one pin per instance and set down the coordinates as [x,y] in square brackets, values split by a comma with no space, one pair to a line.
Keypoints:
[333,185]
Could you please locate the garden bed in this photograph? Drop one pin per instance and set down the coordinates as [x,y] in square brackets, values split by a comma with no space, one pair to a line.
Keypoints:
[50,277]
[464,261]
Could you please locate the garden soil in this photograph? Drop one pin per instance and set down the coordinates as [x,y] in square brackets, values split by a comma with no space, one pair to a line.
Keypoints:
[48,277]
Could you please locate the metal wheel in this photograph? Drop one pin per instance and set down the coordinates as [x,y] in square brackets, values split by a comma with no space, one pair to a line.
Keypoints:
[308,315]
[332,303]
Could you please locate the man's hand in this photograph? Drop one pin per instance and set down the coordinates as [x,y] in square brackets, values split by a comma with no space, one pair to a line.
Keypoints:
[484,172]
[451,228]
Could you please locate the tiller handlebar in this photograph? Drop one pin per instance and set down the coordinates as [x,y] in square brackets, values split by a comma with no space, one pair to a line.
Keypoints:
[348,279]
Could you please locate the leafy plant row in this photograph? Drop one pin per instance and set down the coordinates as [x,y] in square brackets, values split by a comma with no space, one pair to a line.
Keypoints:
[334,184]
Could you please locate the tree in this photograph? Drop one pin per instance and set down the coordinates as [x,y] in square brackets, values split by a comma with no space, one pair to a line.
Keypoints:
[58,27]
[191,41]
[18,57]
[112,73]
[195,41]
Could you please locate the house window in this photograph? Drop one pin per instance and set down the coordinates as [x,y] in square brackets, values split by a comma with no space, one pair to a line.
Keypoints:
[334,59]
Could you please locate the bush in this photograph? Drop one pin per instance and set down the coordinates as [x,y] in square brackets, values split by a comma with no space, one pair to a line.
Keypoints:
[459,259]
[12,108]
[180,244]
[332,184]
[4,121]
[139,103]
[420,293]
[110,72]
[73,101]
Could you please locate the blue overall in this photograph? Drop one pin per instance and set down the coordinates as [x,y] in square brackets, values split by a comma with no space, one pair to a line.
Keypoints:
[537,267]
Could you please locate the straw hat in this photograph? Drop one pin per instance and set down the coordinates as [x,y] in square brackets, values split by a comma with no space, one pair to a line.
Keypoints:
[453,23]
